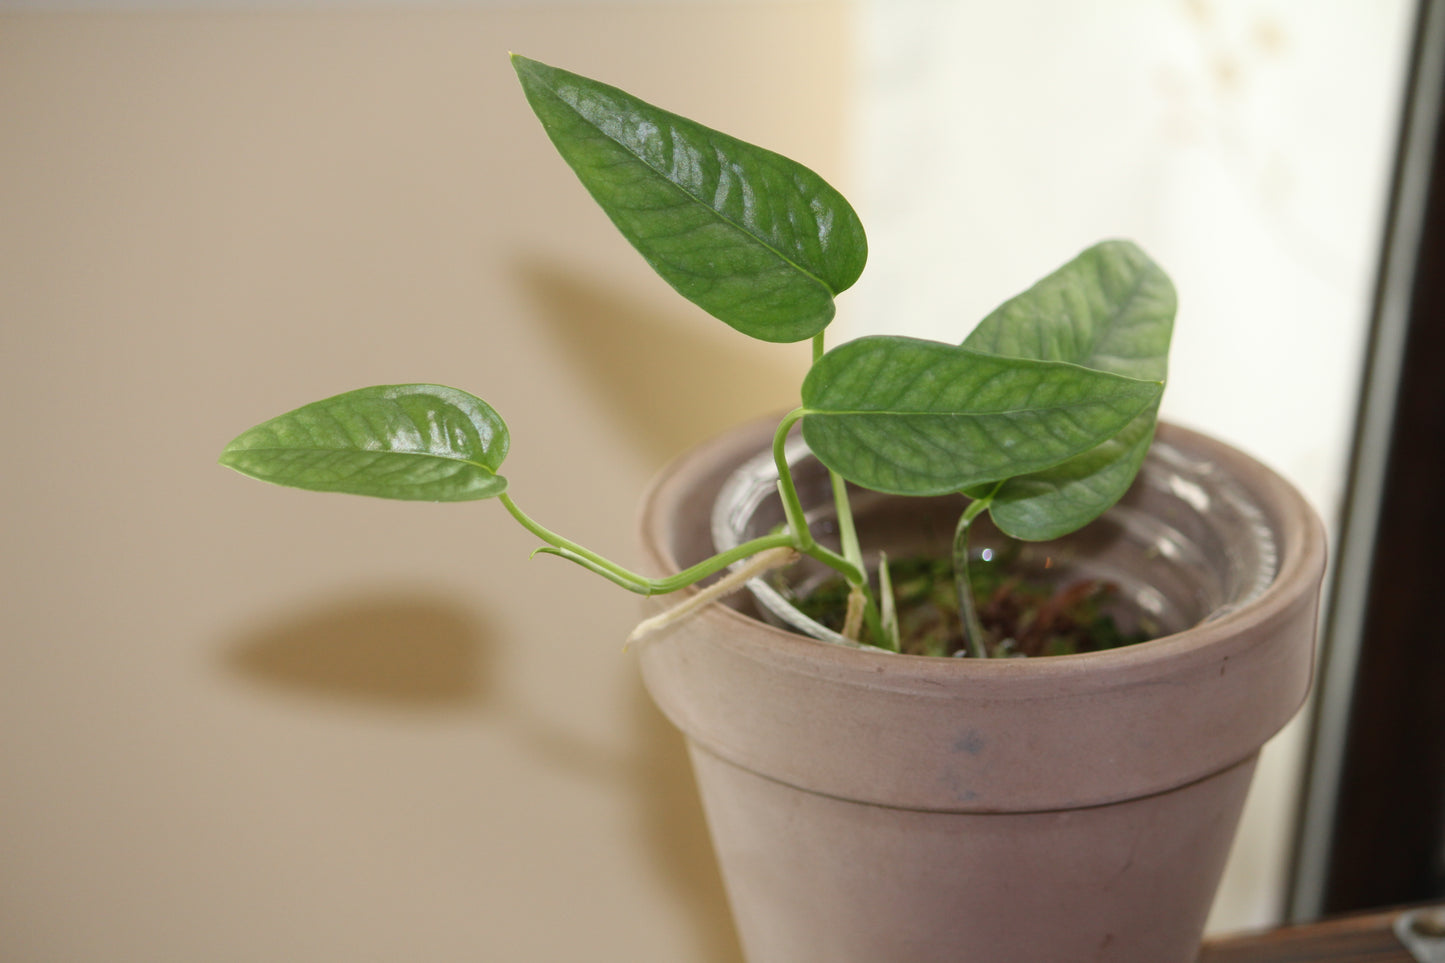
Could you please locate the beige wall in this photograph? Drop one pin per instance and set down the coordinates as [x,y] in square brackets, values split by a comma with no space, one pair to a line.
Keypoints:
[244,723]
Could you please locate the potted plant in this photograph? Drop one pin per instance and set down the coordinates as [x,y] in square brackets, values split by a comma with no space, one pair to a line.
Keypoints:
[867,804]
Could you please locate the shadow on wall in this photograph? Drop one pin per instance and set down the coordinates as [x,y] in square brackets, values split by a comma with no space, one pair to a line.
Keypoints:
[669,382]
[412,651]
[401,651]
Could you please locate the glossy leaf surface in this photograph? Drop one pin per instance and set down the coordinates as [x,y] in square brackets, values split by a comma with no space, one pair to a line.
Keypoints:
[921,417]
[753,238]
[1111,309]
[413,442]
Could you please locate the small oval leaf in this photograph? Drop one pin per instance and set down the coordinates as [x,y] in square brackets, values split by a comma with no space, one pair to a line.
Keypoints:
[1112,309]
[412,442]
[751,237]
[917,417]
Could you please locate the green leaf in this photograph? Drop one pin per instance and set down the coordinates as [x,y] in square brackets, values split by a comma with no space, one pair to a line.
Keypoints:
[1054,502]
[1110,309]
[753,238]
[413,442]
[922,418]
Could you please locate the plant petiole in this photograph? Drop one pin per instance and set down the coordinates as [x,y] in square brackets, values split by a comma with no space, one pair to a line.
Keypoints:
[973,634]
[851,569]
[641,584]
[796,537]
[847,532]
[787,490]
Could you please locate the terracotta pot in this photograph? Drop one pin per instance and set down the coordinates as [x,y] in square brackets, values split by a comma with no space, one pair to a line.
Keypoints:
[879,808]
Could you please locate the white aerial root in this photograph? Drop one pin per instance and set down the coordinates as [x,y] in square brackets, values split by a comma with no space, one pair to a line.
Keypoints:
[853,620]
[762,562]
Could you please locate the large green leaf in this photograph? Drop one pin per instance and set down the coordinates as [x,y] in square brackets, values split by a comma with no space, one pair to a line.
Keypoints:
[751,237]
[1111,309]
[414,442]
[921,417]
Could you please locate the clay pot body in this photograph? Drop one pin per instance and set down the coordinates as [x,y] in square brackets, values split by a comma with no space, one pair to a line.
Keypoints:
[867,807]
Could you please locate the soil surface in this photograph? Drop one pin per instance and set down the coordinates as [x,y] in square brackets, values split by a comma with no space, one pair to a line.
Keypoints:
[1022,614]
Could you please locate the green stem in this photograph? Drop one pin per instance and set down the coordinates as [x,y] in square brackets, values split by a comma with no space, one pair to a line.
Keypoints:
[797,537]
[858,576]
[574,551]
[641,584]
[851,569]
[720,561]
[787,491]
[847,533]
[973,634]
[821,553]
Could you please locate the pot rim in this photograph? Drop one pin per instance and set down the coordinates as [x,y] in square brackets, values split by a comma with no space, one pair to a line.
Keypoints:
[1288,514]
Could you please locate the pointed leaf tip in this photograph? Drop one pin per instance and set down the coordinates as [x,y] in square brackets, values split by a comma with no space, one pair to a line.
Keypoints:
[757,240]
[1111,309]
